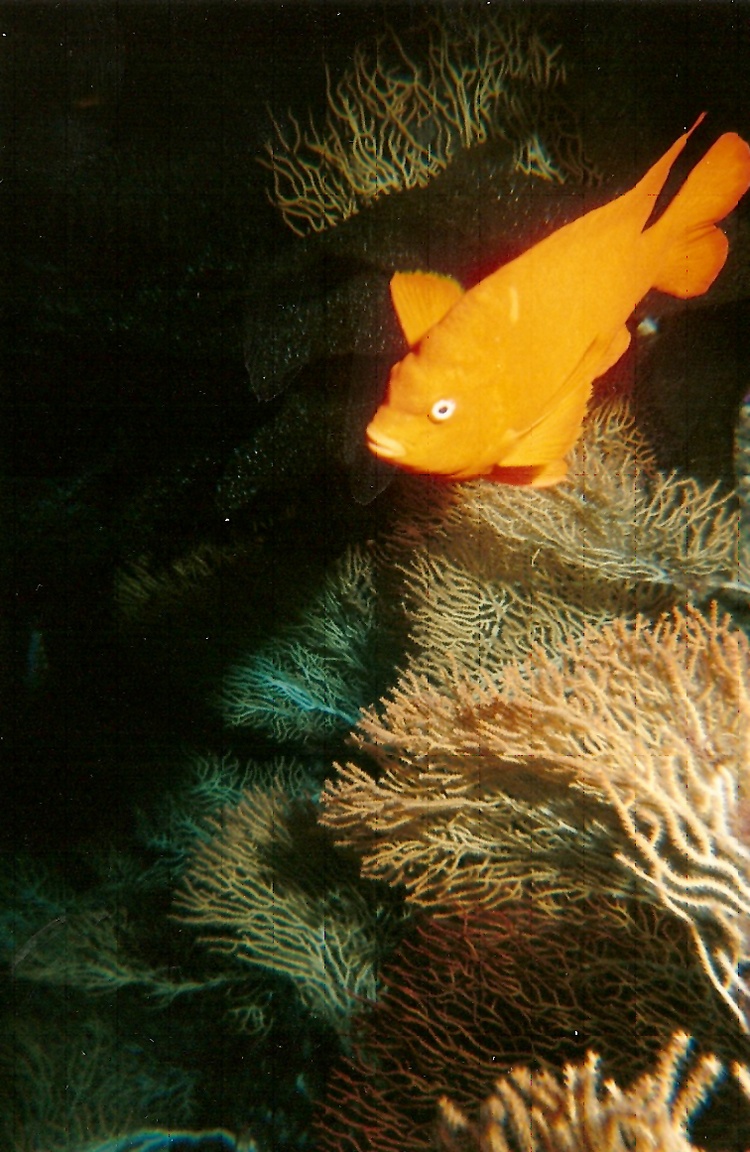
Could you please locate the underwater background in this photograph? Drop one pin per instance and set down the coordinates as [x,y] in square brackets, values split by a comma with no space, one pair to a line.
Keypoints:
[331,796]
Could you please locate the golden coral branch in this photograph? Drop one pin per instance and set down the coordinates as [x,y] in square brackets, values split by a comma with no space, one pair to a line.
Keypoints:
[619,763]
[536,1111]
[395,120]
[260,903]
[489,569]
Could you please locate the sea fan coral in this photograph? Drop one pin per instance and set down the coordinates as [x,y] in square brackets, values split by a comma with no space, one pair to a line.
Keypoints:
[532,1111]
[469,996]
[488,792]
[272,899]
[490,570]
[396,119]
[52,935]
[308,684]
[78,1087]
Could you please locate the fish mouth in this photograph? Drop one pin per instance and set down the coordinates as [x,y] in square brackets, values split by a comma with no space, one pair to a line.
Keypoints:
[384,446]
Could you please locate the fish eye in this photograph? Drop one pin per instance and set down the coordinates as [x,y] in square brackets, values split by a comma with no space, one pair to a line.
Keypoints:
[442,410]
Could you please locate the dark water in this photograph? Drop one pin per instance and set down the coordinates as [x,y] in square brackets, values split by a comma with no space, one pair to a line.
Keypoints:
[187,382]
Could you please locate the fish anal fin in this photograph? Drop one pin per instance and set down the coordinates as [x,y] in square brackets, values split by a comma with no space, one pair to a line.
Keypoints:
[421,300]
[550,474]
[697,250]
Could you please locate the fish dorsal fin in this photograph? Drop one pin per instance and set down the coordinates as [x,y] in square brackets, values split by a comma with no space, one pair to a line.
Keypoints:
[421,299]
[656,177]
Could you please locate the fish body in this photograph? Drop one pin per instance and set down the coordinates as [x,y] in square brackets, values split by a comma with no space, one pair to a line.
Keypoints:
[498,378]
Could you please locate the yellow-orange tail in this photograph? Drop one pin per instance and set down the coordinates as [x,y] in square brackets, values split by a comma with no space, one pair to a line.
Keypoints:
[696,250]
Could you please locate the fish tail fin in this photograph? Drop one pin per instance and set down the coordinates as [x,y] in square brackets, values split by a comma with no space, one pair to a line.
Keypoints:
[696,251]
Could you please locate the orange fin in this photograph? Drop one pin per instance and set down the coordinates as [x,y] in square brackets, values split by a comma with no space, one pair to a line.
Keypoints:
[553,434]
[711,191]
[421,299]
[650,185]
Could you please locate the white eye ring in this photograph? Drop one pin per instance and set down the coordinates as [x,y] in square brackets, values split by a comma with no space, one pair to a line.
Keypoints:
[442,410]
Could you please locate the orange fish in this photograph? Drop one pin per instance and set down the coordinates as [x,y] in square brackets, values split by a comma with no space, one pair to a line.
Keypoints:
[498,378]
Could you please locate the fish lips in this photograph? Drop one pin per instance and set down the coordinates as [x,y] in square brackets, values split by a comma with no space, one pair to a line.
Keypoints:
[387,447]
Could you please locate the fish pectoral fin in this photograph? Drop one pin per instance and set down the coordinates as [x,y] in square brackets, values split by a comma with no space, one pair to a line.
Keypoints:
[421,300]
[555,431]
[549,438]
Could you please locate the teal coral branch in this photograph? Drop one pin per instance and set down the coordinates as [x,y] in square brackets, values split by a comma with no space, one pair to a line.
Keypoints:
[310,683]
[285,688]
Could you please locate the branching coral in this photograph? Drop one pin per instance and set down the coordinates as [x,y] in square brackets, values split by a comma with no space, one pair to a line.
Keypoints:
[210,784]
[309,683]
[91,951]
[535,1111]
[53,936]
[66,1089]
[280,900]
[490,791]
[141,588]
[490,570]
[476,993]
[395,120]
[621,517]
[742,471]
[449,827]
[657,721]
